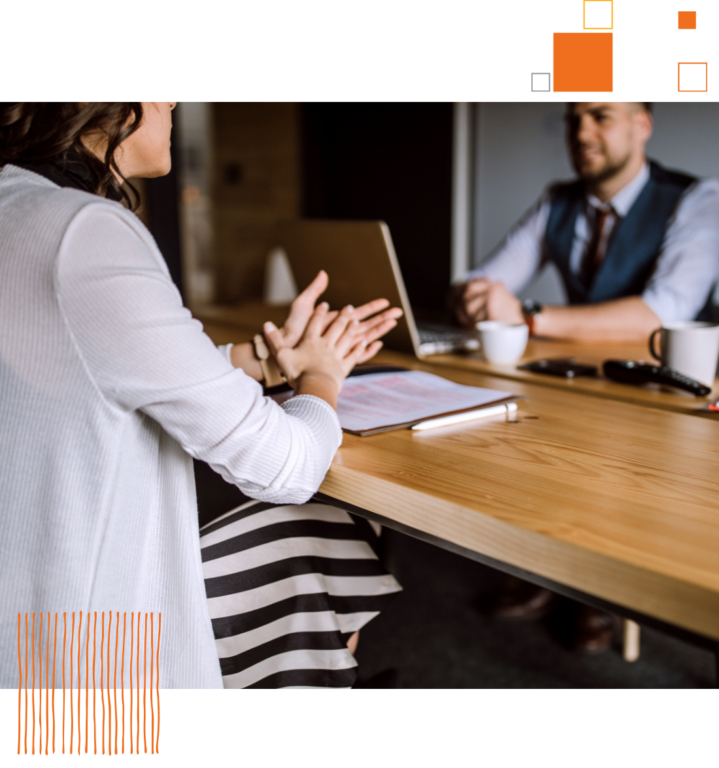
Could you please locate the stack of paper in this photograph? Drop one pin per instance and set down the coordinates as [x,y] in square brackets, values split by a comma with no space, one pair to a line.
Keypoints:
[379,402]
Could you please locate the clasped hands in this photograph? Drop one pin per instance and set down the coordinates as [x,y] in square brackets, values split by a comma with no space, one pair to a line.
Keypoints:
[328,343]
[481,299]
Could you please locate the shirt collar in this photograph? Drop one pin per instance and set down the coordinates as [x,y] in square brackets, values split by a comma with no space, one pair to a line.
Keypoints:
[625,198]
[69,170]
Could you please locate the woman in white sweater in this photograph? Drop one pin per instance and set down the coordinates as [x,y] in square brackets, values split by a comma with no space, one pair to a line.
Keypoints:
[109,387]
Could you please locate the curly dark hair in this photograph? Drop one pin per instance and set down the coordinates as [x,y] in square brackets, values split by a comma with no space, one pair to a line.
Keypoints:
[40,132]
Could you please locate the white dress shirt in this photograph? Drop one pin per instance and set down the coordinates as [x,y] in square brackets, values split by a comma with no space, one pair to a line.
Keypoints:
[688,262]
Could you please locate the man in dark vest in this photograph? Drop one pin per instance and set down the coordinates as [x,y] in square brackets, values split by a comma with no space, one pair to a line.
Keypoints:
[636,246]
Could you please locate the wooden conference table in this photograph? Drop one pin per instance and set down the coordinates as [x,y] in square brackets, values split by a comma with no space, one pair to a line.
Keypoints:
[598,490]
[593,354]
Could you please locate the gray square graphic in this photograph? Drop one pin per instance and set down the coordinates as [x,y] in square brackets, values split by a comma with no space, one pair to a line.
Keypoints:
[541,82]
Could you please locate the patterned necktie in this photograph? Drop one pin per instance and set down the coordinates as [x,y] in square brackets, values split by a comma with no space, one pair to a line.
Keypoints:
[595,254]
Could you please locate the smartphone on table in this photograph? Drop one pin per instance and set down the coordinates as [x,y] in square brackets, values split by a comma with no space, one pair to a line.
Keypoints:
[566,367]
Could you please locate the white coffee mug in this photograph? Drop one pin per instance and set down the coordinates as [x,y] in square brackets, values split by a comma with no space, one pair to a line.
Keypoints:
[502,342]
[692,348]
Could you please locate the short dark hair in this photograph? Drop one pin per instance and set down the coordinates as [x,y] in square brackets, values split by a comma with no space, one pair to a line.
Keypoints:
[38,132]
[642,105]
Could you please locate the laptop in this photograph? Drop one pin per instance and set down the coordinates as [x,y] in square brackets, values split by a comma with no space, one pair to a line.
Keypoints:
[362,265]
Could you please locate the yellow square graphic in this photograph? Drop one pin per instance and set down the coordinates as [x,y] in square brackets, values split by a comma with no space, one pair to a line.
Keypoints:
[598,14]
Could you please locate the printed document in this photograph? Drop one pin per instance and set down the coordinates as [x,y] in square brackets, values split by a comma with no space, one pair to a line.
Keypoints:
[381,401]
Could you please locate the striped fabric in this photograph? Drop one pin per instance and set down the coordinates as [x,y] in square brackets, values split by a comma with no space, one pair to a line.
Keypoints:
[286,587]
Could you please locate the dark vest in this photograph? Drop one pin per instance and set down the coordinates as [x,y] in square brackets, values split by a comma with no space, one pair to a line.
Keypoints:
[634,246]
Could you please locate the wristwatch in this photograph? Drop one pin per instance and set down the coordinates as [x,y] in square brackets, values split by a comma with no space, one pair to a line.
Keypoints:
[530,308]
[271,374]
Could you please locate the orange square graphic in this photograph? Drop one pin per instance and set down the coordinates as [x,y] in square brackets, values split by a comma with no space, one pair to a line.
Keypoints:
[687,19]
[693,76]
[583,61]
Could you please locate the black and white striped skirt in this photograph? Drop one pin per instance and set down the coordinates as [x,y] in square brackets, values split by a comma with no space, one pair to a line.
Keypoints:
[287,586]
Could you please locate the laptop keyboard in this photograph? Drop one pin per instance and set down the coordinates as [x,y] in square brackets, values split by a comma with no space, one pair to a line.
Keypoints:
[438,339]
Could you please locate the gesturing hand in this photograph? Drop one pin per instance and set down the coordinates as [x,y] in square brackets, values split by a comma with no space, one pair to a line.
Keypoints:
[300,312]
[370,325]
[328,349]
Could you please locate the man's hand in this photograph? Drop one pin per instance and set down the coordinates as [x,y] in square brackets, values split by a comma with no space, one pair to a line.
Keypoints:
[503,305]
[470,302]
[481,299]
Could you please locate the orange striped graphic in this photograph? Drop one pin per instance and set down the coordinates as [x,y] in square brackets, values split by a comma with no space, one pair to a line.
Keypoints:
[35,709]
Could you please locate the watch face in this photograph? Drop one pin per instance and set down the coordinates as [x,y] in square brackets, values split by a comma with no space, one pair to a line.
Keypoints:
[531,307]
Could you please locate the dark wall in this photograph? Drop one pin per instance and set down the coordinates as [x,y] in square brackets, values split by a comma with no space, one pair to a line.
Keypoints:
[391,162]
[161,198]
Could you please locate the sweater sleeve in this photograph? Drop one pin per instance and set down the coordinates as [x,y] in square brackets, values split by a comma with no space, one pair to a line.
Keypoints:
[144,351]
[225,350]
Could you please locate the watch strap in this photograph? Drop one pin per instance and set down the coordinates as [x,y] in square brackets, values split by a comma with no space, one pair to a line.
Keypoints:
[530,309]
[529,320]
[271,374]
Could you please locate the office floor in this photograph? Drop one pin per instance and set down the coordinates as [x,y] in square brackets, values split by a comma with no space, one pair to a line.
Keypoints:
[437,635]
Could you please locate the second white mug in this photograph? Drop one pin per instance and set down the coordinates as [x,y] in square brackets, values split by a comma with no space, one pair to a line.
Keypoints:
[692,348]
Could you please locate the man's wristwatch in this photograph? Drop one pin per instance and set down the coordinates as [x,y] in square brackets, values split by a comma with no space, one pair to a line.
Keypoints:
[271,374]
[530,308]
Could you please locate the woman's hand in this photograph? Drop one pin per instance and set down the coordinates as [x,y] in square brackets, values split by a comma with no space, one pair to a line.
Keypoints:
[300,312]
[371,326]
[326,353]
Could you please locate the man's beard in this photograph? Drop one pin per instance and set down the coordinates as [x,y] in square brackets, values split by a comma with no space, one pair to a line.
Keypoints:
[609,170]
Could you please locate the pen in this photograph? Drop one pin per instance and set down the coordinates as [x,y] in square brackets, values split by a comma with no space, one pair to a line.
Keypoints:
[458,418]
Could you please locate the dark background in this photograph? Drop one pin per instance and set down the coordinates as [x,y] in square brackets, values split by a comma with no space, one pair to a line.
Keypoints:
[161,201]
[391,162]
[361,161]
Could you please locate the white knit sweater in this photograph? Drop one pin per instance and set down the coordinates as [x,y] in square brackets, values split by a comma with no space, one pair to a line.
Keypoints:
[108,387]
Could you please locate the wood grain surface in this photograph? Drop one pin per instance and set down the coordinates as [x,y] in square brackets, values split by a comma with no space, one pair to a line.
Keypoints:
[593,354]
[615,500]
[611,499]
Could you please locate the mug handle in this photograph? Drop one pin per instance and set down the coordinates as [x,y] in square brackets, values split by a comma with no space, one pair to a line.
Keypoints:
[651,344]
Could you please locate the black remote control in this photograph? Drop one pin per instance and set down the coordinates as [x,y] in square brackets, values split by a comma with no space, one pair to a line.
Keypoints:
[637,372]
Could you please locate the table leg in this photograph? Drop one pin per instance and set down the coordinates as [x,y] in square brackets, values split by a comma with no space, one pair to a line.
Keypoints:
[630,640]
